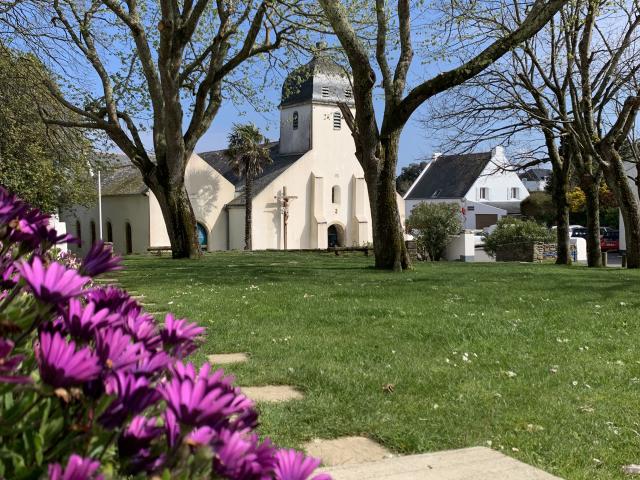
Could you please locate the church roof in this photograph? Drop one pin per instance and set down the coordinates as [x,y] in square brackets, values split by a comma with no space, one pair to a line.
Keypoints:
[121,177]
[321,80]
[279,163]
[449,176]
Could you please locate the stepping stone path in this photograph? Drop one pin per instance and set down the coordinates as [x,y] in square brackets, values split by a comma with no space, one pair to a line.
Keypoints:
[227,358]
[476,463]
[272,393]
[345,450]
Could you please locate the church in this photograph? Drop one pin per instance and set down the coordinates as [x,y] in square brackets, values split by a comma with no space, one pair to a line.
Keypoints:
[313,195]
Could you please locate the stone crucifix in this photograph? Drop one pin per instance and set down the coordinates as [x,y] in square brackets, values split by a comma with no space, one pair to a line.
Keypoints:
[284,199]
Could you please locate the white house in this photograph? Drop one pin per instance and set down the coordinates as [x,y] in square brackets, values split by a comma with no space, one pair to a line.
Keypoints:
[478,182]
[535,179]
[314,164]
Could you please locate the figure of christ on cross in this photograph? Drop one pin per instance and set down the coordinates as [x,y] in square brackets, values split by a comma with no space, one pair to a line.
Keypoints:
[283,200]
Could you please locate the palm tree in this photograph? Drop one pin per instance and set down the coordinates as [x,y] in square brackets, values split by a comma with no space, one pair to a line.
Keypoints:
[248,155]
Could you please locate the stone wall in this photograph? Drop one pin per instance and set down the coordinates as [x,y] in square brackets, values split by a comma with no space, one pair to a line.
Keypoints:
[529,252]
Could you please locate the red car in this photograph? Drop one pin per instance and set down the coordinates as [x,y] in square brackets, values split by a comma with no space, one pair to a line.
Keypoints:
[610,241]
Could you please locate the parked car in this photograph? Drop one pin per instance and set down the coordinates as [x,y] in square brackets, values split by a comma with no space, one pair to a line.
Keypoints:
[580,232]
[610,241]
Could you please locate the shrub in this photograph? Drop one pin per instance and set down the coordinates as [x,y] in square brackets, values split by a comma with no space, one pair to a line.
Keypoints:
[431,224]
[91,386]
[511,230]
[538,206]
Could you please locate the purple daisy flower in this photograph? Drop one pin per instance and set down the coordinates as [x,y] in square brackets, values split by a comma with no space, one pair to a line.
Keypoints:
[201,436]
[180,335]
[112,298]
[133,395]
[9,276]
[61,365]
[83,321]
[203,400]
[32,229]
[242,456]
[152,364]
[138,435]
[53,284]
[142,327]
[11,207]
[78,468]
[9,364]
[292,465]
[172,428]
[116,350]
[100,259]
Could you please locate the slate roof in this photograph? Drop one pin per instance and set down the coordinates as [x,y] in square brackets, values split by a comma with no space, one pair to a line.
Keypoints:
[321,80]
[121,177]
[535,174]
[512,208]
[279,163]
[449,176]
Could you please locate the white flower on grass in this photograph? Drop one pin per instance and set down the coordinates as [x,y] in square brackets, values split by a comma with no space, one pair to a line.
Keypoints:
[515,449]
[489,443]
[170,303]
[622,304]
[510,374]
[574,383]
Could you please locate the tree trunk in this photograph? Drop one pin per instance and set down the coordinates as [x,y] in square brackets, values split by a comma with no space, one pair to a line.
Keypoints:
[618,183]
[178,217]
[591,186]
[248,209]
[560,182]
[388,236]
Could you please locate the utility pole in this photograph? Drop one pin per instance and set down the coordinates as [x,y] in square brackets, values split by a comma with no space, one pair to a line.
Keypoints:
[100,204]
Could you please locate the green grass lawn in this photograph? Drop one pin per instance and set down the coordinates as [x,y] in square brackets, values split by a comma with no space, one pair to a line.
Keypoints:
[537,361]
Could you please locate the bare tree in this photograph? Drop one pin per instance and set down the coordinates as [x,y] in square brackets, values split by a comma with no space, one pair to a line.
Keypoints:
[377,145]
[174,60]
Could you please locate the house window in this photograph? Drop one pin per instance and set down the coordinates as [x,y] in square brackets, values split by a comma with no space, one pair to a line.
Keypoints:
[295,120]
[325,92]
[93,232]
[78,231]
[347,92]
[337,121]
[484,193]
[515,192]
[109,232]
[335,194]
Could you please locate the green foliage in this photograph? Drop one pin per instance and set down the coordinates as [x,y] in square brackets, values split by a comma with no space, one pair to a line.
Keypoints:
[248,153]
[513,230]
[408,175]
[46,165]
[538,206]
[432,224]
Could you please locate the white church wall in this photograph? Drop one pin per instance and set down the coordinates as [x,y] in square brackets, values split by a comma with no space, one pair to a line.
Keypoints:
[209,192]
[118,211]
[236,227]
[295,140]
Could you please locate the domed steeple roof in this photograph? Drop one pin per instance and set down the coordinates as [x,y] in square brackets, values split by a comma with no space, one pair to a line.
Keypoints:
[321,80]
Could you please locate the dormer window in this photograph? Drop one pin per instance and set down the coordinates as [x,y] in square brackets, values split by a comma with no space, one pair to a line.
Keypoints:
[325,92]
[294,120]
[337,121]
[347,92]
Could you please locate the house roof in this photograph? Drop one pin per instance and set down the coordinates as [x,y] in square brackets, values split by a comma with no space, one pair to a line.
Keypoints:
[279,163]
[512,208]
[321,80]
[535,174]
[449,176]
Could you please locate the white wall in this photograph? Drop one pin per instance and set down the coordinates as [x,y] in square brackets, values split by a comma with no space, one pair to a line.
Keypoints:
[499,182]
[298,140]
[209,192]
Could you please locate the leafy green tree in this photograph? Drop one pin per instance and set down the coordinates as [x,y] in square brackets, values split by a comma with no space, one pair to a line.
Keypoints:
[408,175]
[48,166]
[539,206]
[248,155]
[511,230]
[432,225]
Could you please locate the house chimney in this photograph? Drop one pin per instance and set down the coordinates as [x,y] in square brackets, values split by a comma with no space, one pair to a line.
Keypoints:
[497,151]
[435,156]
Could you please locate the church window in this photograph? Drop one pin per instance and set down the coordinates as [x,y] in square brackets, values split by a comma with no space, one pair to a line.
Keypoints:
[78,231]
[203,236]
[295,120]
[347,92]
[109,232]
[325,92]
[337,121]
[93,232]
[335,194]
[128,238]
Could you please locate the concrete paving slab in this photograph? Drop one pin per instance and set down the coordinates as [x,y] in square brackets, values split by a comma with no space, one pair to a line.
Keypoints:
[227,358]
[272,393]
[346,450]
[476,463]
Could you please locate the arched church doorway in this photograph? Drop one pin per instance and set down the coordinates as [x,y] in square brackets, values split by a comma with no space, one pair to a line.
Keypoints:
[335,236]
[203,236]
[128,238]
